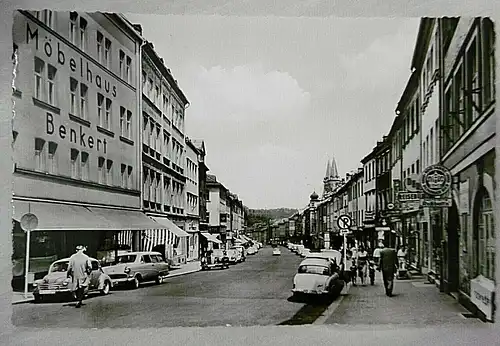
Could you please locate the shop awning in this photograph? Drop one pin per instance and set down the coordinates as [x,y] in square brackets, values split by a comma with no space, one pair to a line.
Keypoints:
[246,238]
[172,227]
[62,217]
[211,238]
[126,220]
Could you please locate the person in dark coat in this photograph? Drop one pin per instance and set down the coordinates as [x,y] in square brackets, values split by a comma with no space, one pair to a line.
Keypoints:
[79,270]
[388,266]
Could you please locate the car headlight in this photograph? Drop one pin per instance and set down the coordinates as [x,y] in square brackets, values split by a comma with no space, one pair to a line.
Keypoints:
[35,284]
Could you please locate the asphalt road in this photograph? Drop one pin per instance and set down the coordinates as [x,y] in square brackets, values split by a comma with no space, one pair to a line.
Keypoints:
[256,292]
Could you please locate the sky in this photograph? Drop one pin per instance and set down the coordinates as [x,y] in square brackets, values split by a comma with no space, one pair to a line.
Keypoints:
[275,98]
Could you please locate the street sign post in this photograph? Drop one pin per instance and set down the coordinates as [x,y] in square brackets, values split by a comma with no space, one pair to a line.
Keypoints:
[344,222]
[28,223]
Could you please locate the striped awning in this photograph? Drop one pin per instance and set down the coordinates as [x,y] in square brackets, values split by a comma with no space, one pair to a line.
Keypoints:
[172,227]
[153,237]
[211,237]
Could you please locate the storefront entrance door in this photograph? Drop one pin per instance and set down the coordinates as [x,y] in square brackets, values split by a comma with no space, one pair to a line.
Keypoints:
[453,248]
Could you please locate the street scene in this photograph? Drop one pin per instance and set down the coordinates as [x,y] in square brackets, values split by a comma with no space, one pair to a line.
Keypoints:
[160,182]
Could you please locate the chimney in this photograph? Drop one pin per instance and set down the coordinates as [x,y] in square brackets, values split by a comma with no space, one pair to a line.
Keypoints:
[137,28]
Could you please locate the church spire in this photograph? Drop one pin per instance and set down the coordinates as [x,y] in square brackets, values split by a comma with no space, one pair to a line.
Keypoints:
[334,173]
[328,170]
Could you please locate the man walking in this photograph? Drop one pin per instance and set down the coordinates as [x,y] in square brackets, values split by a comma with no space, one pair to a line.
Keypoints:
[79,270]
[376,253]
[388,266]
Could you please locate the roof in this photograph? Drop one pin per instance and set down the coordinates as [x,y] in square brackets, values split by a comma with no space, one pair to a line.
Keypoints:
[315,262]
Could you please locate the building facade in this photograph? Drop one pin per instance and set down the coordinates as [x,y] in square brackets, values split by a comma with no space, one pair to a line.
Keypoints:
[217,210]
[369,191]
[76,135]
[192,200]
[163,158]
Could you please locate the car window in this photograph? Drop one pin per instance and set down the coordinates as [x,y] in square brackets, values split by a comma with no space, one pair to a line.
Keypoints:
[146,258]
[159,258]
[314,269]
[126,259]
[95,265]
[59,267]
[154,258]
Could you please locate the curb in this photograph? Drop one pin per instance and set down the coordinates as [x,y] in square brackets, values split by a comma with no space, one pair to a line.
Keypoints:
[183,273]
[23,301]
[330,310]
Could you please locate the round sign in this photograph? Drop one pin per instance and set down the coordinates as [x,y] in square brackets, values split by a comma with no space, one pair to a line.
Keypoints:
[344,222]
[412,183]
[390,206]
[29,222]
[436,180]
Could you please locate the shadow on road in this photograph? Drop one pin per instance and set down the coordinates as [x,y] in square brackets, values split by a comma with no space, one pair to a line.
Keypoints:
[313,308]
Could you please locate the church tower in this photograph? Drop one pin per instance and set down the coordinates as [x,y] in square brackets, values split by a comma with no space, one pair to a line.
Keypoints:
[332,179]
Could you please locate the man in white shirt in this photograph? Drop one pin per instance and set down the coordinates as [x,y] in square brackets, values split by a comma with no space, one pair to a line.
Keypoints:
[376,253]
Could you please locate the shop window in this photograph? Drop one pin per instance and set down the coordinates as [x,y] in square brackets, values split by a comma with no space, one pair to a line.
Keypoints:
[485,235]
[464,256]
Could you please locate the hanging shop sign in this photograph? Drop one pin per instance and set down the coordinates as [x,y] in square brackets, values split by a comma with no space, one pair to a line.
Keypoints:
[412,183]
[436,180]
[409,196]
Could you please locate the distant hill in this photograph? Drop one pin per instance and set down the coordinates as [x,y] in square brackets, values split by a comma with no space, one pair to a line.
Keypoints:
[273,214]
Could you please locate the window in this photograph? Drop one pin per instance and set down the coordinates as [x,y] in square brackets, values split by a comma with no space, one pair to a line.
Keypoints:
[100,110]
[51,88]
[107,53]
[130,181]
[75,172]
[123,172]
[40,154]
[417,114]
[85,166]
[46,16]
[486,237]
[109,172]
[472,102]
[83,101]
[73,85]
[101,170]
[107,116]
[488,62]
[417,166]
[100,43]
[128,72]
[165,104]
[122,63]
[83,34]
[52,158]
[122,120]
[157,94]
[128,125]
[73,16]
[144,80]
[431,149]
[39,72]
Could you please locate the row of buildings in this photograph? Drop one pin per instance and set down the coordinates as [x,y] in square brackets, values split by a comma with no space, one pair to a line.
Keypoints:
[100,151]
[442,137]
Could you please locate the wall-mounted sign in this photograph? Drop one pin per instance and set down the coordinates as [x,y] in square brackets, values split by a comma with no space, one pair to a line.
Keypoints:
[482,290]
[436,180]
[412,183]
[409,196]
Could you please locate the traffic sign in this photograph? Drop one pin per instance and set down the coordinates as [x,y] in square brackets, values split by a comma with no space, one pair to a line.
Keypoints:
[29,222]
[344,222]
[344,231]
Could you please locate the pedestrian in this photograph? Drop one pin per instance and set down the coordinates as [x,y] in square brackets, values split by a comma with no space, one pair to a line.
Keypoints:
[376,253]
[388,266]
[402,257]
[79,270]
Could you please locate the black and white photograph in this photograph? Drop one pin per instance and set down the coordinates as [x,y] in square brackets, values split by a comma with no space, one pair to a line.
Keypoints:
[229,171]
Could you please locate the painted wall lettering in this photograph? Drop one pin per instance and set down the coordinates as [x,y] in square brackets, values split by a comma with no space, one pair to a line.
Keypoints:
[51,46]
[77,137]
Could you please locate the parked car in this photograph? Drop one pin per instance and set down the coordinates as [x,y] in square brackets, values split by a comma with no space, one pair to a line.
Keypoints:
[134,268]
[299,248]
[252,250]
[216,259]
[234,255]
[334,256]
[317,276]
[242,253]
[304,252]
[276,252]
[56,282]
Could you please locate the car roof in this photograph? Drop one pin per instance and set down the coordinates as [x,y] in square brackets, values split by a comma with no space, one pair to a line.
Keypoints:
[140,253]
[315,262]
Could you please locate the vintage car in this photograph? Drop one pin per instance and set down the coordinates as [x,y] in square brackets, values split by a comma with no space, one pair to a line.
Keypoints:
[241,251]
[333,255]
[252,250]
[218,258]
[134,268]
[57,283]
[304,252]
[317,276]
[234,255]
[276,251]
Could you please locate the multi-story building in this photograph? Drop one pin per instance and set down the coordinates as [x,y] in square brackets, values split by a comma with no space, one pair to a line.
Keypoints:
[356,206]
[76,135]
[218,215]
[163,157]
[467,128]
[369,190]
[192,200]
[202,193]
[236,216]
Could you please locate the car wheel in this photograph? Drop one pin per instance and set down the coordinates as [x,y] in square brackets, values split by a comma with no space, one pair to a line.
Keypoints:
[159,279]
[136,283]
[106,288]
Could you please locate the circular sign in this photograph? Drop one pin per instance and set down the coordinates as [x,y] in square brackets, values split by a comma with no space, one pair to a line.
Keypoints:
[436,180]
[412,183]
[344,222]
[390,206]
[29,222]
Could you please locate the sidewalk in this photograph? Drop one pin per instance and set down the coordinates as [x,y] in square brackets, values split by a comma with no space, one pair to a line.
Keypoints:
[188,268]
[415,303]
